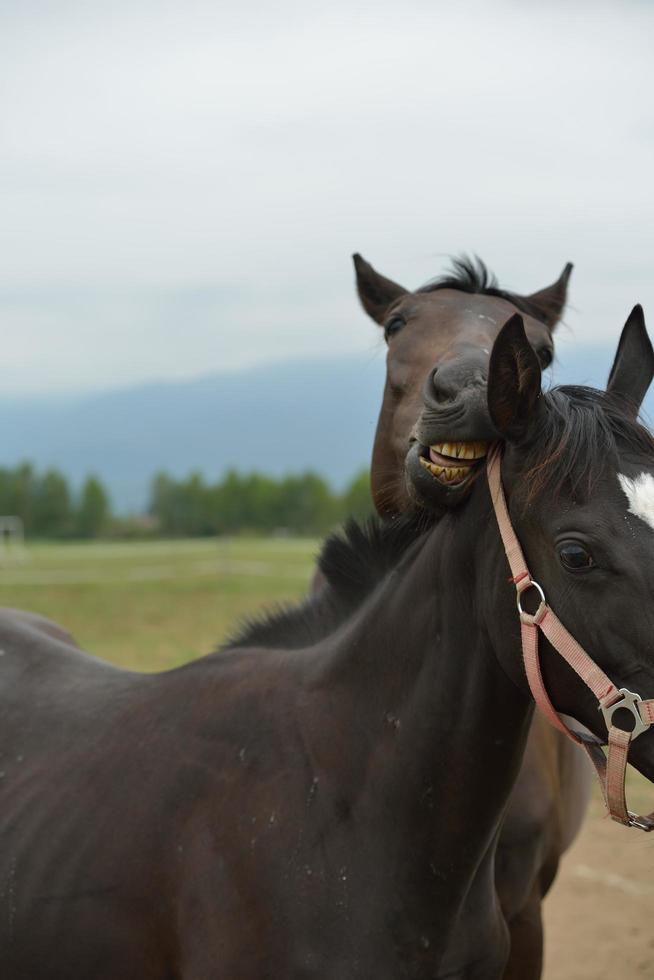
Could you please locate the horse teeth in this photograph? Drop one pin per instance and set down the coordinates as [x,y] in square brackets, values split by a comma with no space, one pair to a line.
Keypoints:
[461,450]
[446,474]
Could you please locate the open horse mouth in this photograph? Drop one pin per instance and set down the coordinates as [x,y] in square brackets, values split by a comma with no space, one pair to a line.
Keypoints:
[452,463]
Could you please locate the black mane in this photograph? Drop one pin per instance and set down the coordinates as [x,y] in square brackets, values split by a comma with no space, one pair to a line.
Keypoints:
[352,562]
[581,423]
[471,275]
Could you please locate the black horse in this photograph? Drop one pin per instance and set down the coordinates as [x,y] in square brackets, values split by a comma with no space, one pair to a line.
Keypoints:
[316,799]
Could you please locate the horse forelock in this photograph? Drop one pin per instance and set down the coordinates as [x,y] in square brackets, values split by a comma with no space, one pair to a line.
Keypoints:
[470,274]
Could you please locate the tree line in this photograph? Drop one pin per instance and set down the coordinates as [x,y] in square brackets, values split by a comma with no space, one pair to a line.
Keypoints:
[47,506]
[297,504]
[300,504]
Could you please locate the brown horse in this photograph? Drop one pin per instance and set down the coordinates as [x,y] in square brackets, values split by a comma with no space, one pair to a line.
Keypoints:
[439,338]
[316,800]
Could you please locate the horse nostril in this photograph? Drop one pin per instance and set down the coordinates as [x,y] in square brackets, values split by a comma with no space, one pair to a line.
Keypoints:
[441,390]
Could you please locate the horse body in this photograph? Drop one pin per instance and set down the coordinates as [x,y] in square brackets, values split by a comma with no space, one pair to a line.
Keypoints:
[261,812]
[439,345]
[288,808]
[58,756]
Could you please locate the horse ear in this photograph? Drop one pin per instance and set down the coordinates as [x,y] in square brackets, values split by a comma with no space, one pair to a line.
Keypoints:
[550,302]
[376,292]
[514,377]
[633,367]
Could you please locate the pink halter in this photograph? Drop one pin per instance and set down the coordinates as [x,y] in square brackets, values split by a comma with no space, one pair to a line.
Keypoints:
[611,771]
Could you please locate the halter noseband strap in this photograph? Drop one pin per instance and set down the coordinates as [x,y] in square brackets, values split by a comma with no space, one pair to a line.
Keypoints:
[611,769]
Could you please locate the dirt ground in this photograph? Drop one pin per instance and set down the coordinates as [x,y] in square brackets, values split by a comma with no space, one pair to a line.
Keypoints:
[599,915]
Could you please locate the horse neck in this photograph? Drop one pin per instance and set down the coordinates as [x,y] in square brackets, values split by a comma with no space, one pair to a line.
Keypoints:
[411,690]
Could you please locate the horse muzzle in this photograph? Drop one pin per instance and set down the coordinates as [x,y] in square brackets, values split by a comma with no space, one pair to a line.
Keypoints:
[442,474]
[448,446]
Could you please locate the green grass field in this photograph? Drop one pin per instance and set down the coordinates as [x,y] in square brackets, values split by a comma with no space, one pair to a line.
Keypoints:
[152,605]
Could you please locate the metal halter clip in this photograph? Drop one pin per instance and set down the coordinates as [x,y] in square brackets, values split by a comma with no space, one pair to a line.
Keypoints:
[630,701]
[641,823]
[526,617]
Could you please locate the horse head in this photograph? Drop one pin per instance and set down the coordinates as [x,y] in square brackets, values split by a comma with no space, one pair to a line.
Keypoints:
[439,339]
[578,475]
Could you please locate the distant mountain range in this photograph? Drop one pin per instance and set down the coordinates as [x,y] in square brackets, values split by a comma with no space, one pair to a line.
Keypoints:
[282,418]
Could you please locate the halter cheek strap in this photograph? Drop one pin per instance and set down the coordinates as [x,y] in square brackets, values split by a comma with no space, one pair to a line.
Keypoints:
[611,769]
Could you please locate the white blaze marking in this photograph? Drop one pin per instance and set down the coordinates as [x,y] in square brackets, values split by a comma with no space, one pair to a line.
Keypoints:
[640,494]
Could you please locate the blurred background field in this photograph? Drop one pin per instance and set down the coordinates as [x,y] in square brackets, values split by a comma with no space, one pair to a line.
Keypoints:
[150,605]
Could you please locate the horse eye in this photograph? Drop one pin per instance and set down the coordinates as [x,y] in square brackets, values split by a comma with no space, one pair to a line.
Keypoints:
[393,326]
[545,356]
[575,557]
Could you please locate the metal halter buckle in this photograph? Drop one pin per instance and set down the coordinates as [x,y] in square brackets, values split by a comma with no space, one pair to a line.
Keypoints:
[641,823]
[630,701]
[526,617]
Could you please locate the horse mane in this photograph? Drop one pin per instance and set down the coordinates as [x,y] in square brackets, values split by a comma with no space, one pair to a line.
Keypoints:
[581,423]
[353,561]
[469,274]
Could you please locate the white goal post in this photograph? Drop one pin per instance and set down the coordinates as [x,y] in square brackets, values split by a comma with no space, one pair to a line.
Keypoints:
[12,539]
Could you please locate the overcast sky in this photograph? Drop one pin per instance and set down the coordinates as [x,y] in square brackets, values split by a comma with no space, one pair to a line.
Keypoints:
[182,184]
